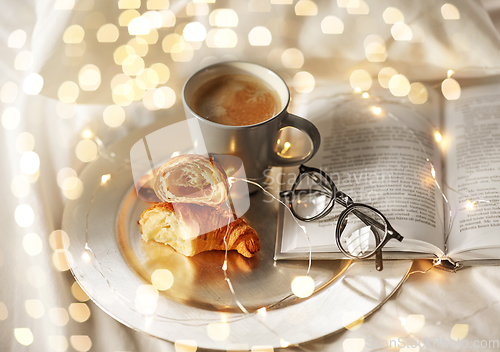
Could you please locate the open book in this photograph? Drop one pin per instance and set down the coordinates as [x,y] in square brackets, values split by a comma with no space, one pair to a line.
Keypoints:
[442,196]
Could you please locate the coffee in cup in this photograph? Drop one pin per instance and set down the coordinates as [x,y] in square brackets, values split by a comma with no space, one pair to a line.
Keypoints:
[236,100]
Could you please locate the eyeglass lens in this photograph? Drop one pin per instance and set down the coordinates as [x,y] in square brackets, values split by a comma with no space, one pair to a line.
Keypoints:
[312,195]
[362,230]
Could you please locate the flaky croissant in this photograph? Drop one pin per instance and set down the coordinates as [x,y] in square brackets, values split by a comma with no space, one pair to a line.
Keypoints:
[191,178]
[191,229]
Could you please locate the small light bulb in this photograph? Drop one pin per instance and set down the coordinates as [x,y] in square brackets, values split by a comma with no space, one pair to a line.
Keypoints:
[438,137]
[470,205]
[433,172]
[105,178]
[86,257]
[262,311]
[376,110]
[87,134]
[365,95]
[450,73]
[357,90]
[284,343]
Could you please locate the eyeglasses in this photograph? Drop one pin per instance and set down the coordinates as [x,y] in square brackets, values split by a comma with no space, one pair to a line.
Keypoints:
[361,232]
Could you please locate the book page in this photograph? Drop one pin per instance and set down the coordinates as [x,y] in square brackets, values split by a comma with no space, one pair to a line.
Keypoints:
[473,168]
[377,159]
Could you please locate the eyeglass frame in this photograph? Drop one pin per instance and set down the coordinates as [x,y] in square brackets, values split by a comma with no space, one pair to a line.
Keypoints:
[347,202]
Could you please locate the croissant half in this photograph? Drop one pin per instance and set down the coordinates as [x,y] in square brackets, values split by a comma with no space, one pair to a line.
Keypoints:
[191,178]
[191,229]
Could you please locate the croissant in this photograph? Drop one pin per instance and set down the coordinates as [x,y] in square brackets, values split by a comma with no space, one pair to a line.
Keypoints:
[191,229]
[191,178]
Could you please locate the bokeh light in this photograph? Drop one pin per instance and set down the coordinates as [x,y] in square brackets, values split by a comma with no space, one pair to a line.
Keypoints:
[385,75]
[303,286]
[162,72]
[418,93]
[58,239]
[16,39]
[122,52]
[58,316]
[20,186]
[361,80]
[393,15]
[450,12]
[459,332]
[62,260]
[78,292]
[260,36]
[399,85]
[221,38]
[4,312]
[33,84]
[68,92]
[146,299]
[168,18]
[194,32]
[108,33]
[64,4]
[86,150]
[357,7]
[58,343]
[218,331]
[24,215]
[164,97]
[401,31]
[303,82]
[451,89]
[32,244]
[332,25]
[292,58]
[29,163]
[24,336]
[223,18]
[306,8]
[74,34]
[136,46]
[150,38]
[414,323]
[23,61]
[353,344]
[113,115]
[34,308]
[72,188]
[157,4]
[154,18]
[79,312]
[185,346]
[133,65]
[162,279]
[25,142]
[8,92]
[127,16]
[89,78]
[139,26]
[129,4]
[81,343]
[11,118]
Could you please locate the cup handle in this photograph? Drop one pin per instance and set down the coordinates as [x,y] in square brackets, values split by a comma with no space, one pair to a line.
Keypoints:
[308,128]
